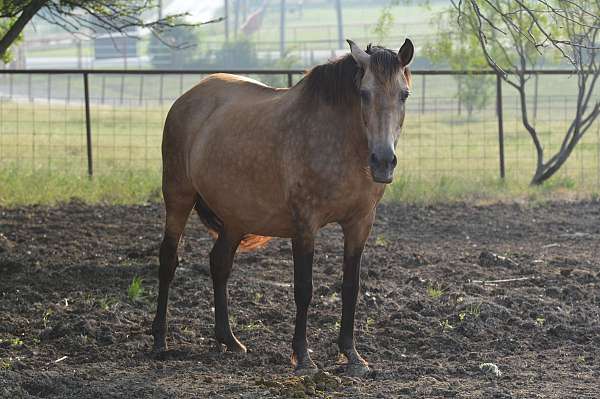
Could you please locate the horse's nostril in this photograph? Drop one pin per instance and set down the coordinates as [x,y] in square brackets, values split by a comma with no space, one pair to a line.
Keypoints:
[394,161]
[373,159]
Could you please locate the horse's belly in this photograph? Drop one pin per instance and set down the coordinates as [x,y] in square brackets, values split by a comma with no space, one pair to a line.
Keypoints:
[250,213]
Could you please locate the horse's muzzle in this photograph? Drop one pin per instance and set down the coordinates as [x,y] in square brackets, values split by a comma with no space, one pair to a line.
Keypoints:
[382,166]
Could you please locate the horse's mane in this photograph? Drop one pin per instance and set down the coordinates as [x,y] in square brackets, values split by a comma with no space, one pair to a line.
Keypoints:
[337,81]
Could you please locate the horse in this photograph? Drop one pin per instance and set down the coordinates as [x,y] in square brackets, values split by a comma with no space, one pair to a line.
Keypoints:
[257,162]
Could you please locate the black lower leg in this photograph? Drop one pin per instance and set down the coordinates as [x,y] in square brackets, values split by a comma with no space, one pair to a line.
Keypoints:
[168,264]
[221,262]
[303,251]
[355,236]
[350,288]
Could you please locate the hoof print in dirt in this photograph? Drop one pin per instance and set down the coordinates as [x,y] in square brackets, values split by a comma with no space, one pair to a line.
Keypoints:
[490,370]
[357,370]
[490,259]
[306,371]
[318,384]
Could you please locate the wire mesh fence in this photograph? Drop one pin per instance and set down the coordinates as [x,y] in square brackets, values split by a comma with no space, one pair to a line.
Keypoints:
[448,134]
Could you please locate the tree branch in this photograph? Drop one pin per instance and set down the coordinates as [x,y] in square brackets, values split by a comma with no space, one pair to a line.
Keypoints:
[17,27]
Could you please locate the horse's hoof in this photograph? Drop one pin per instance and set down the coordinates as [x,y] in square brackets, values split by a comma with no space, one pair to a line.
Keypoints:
[158,353]
[237,347]
[231,345]
[357,370]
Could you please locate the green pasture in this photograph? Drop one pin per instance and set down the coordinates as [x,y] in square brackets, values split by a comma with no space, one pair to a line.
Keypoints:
[442,156]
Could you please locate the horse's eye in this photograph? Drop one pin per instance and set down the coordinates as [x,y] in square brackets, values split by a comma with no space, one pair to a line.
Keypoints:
[365,96]
[404,95]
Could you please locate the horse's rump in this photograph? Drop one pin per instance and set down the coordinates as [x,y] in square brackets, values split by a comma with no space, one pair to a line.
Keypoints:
[214,225]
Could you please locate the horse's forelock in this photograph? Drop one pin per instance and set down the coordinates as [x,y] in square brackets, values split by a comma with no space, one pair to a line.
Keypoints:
[336,82]
[384,62]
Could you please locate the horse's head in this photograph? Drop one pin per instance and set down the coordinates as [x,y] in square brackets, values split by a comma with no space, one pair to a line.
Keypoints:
[384,88]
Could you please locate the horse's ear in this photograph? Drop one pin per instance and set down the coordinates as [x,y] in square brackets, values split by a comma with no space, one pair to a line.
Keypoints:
[359,55]
[406,53]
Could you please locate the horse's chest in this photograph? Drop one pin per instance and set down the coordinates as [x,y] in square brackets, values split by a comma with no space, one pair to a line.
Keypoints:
[335,200]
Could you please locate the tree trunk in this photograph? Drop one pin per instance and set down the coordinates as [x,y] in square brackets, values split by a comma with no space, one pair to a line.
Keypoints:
[17,27]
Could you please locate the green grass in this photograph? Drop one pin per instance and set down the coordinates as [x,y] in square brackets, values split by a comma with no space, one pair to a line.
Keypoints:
[435,291]
[442,156]
[43,187]
[135,289]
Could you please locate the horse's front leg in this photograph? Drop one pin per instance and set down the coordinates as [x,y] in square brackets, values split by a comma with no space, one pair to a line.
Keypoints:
[355,236]
[303,251]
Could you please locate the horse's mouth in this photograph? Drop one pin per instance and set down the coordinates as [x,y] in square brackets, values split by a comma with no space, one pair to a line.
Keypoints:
[385,178]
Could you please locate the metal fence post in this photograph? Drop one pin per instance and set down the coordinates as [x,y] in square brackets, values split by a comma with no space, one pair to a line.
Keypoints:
[290,82]
[500,124]
[423,84]
[88,125]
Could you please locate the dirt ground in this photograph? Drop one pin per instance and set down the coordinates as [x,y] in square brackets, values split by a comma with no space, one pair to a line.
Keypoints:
[425,321]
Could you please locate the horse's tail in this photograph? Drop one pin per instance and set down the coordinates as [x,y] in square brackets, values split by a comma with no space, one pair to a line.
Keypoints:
[214,225]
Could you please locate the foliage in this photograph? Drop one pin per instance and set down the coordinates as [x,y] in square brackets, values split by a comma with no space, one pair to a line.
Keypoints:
[83,17]
[514,35]
[174,48]
[384,23]
[135,289]
[456,48]
[5,24]
[240,53]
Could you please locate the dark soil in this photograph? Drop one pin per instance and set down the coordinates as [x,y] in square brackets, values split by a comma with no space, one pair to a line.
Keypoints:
[425,321]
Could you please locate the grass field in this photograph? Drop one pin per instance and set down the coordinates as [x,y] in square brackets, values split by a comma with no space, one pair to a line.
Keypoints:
[443,155]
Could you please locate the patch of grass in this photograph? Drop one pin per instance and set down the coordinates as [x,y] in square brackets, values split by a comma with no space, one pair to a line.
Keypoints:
[106,303]
[253,326]
[474,310]
[46,317]
[370,325]
[135,289]
[50,188]
[381,241]
[446,326]
[16,342]
[484,190]
[540,320]
[5,364]
[435,291]
[258,296]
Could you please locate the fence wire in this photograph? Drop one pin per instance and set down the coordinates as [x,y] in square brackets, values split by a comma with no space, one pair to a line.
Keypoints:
[451,128]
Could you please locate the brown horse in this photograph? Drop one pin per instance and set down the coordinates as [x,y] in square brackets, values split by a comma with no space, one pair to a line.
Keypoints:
[258,162]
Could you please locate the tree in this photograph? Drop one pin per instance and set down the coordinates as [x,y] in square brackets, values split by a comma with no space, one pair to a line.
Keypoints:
[82,17]
[513,34]
[175,48]
[453,46]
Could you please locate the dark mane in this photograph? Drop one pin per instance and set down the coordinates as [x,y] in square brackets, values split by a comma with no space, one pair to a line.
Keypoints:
[337,81]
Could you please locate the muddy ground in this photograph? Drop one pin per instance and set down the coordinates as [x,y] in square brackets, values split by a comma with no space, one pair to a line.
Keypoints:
[425,321]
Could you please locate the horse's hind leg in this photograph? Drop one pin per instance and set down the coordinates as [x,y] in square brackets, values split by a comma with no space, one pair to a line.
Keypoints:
[178,208]
[221,262]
